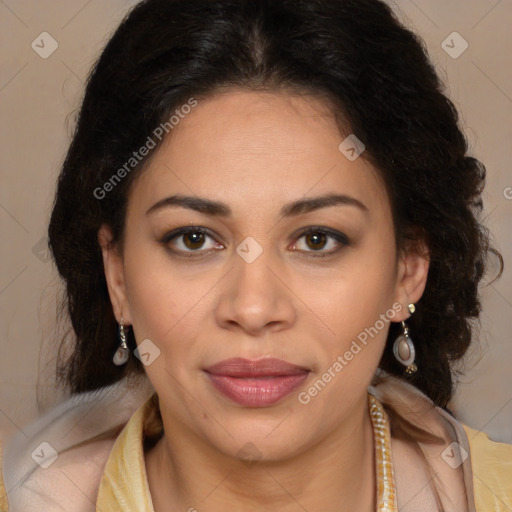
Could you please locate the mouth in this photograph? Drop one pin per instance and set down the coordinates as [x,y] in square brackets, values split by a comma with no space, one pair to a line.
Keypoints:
[258,383]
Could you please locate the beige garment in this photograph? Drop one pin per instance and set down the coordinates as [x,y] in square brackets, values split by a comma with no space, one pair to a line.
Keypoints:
[110,475]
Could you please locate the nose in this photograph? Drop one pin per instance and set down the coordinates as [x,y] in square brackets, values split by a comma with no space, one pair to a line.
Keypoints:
[256,297]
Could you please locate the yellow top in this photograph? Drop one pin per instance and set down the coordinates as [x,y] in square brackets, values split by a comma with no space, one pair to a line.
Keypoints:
[3,495]
[124,485]
[492,472]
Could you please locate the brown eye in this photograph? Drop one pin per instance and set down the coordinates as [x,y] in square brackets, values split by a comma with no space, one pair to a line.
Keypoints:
[316,240]
[190,242]
[193,240]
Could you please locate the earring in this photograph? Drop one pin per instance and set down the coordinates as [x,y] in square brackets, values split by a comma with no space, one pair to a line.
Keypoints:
[122,353]
[403,348]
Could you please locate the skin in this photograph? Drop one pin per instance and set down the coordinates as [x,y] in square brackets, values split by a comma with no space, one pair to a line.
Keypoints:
[256,152]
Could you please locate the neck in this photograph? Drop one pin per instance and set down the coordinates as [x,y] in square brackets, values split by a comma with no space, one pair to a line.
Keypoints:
[336,474]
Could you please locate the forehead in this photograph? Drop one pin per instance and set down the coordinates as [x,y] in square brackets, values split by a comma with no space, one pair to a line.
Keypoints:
[257,150]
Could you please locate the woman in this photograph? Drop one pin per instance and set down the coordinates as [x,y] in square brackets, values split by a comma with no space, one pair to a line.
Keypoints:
[267,223]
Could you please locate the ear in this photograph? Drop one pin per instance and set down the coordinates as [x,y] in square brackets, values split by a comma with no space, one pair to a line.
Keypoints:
[412,276]
[114,274]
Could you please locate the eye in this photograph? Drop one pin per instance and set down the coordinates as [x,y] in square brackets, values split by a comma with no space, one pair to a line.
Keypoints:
[190,240]
[317,239]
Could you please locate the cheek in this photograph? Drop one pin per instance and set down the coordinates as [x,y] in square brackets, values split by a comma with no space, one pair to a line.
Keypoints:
[166,306]
[151,289]
[359,314]
[355,295]
[356,304]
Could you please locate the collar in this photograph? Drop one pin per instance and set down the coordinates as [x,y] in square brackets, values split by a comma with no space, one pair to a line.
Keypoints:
[124,485]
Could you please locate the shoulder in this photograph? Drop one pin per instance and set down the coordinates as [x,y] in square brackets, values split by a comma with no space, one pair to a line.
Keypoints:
[491,464]
[485,467]
[56,462]
[68,482]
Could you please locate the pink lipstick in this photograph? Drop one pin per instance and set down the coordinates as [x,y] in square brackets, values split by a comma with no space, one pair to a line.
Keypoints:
[256,383]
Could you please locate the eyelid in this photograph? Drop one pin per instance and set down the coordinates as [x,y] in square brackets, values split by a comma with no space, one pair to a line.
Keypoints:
[338,235]
[175,233]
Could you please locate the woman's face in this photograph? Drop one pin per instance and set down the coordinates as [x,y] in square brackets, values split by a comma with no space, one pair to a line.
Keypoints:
[279,272]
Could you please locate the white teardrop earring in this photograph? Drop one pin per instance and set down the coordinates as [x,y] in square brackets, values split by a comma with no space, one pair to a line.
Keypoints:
[122,353]
[403,348]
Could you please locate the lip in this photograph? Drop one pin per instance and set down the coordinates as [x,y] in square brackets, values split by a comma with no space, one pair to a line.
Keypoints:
[258,383]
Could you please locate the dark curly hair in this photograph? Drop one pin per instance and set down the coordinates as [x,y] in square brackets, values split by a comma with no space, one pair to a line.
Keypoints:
[376,76]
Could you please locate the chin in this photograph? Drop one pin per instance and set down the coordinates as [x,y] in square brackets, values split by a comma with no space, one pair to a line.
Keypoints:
[270,439]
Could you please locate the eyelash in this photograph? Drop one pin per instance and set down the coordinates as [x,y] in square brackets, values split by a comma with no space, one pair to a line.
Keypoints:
[341,238]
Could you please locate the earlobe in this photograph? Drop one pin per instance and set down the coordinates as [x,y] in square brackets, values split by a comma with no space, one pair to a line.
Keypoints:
[113,267]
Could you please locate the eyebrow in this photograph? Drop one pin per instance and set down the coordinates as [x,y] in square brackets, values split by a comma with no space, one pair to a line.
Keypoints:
[217,209]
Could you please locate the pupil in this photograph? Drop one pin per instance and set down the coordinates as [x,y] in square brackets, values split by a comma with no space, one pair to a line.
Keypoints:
[317,239]
[196,239]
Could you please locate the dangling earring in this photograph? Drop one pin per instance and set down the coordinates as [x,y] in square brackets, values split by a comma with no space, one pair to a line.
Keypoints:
[403,348]
[122,353]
